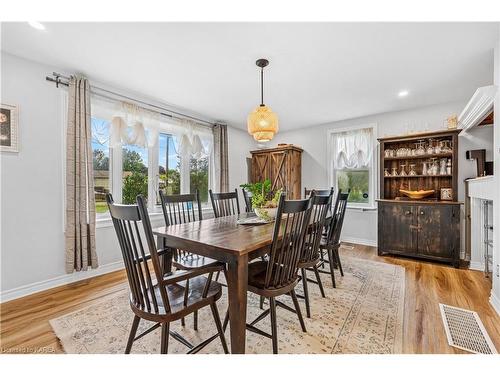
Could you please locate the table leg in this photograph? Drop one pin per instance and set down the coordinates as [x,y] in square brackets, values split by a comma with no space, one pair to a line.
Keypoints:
[237,285]
[166,261]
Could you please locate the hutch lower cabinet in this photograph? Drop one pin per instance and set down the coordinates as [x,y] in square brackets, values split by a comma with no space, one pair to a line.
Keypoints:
[420,229]
[281,165]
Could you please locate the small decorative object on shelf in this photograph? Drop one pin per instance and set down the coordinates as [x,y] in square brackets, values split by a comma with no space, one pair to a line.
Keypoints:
[446,194]
[417,194]
[452,122]
[412,171]
[386,172]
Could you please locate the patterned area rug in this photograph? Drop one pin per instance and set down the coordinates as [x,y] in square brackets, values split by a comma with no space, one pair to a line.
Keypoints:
[364,314]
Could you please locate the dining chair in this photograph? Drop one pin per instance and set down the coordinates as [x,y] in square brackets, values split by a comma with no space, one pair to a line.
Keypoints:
[156,295]
[331,242]
[181,209]
[307,192]
[225,204]
[278,275]
[247,196]
[310,255]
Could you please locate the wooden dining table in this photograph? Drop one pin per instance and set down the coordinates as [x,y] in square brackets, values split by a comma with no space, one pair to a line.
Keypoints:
[234,244]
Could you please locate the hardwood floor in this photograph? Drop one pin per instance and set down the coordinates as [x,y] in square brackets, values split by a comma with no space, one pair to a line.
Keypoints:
[25,328]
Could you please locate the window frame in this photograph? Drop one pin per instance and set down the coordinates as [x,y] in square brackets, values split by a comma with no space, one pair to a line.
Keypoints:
[116,174]
[372,168]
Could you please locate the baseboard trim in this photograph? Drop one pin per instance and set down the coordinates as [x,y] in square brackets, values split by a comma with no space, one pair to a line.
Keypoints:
[359,241]
[495,302]
[477,266]
[40,286]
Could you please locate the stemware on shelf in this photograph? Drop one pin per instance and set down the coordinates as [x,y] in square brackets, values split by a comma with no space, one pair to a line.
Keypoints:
[442,166]
[424,168]
[430,147]
[448,167]
[420,148]
[386,172]
[402,172]
[394,172]
[412,171]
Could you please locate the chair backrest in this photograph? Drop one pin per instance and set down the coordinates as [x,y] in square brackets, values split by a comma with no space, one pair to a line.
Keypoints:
[290,228]
[225,204]
[307,192]
[247,196]
[181,208]
[320,206]
[126,220]
[337,219]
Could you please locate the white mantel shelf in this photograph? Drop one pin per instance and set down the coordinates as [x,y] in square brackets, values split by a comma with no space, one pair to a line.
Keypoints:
[482,187]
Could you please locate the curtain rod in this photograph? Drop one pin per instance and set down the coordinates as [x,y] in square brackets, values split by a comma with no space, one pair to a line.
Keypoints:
[59,79]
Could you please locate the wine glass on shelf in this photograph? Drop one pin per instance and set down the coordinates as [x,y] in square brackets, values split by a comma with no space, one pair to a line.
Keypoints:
[402,172]
[412,171]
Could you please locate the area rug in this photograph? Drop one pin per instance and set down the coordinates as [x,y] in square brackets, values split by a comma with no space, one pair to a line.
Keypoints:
[364,314]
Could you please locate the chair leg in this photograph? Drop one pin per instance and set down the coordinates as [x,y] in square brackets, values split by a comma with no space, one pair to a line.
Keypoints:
[274,326]
[297,309]
[337,259]
[306,292]
[218,324]
[322,258]
[217,276]
[332,268]
[183,322]
[195,320]
[261,303]
[131,336]
[165,328]
[320,284]
[226,321]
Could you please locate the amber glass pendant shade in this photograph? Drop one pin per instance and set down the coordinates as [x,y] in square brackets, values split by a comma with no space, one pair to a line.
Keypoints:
[262,123]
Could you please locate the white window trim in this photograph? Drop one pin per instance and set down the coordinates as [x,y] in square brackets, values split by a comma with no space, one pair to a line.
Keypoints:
[116,182]
[373,177]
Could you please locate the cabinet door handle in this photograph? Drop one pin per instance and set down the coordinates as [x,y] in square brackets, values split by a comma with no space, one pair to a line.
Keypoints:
[421,212]
[408,213]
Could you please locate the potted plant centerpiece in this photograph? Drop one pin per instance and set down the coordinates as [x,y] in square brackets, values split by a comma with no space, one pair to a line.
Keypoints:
[264,200]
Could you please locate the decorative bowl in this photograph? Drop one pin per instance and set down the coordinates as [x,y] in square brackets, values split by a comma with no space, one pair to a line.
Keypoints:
[268,214]
[417,194]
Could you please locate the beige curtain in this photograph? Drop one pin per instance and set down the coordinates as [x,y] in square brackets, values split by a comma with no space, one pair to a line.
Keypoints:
[221,158]
[80,204]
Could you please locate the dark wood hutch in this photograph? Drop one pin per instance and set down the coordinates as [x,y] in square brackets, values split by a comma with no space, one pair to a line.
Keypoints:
[427,228]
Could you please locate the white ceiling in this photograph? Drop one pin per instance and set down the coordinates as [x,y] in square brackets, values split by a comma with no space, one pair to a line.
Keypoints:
[319,72]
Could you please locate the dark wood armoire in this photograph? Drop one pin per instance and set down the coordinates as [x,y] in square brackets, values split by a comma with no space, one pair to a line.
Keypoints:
[282,165]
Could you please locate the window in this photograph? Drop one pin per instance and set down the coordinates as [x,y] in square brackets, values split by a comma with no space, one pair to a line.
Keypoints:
[169,165]
[352,164]
[134,173]
[127,170]
[101,163]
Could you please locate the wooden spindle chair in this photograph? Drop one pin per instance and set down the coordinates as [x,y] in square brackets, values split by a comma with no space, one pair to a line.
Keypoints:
[307,192]
[181,209]
[225,204]
[310,257]
[155,294]
[331,242]
[247,196]
[279,274]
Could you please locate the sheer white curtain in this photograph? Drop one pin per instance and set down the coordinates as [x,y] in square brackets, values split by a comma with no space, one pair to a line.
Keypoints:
[353,149]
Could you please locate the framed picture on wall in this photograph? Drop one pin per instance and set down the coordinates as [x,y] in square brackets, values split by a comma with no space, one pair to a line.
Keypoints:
[9,116]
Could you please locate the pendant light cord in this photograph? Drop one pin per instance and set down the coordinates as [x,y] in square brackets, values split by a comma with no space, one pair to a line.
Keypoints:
[261,87]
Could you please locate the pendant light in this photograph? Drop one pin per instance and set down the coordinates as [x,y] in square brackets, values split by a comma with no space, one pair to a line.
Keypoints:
[262,123]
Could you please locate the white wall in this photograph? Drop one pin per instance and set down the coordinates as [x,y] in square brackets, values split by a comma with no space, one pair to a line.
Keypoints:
[495,291]
[361,226]
[32,239]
